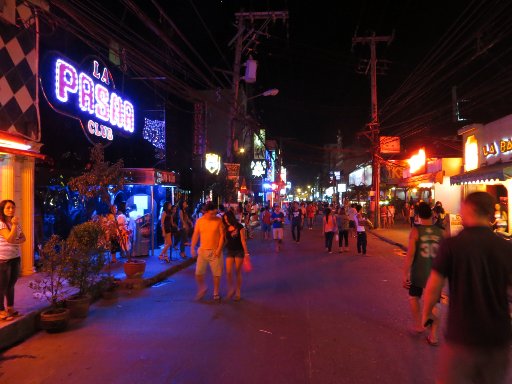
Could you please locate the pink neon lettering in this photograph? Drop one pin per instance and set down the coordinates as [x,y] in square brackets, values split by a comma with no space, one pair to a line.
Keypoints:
[86,93]
[116,104]
[66,81]
[104,78]
[95,71]
[90,126]
[102,110]
[129,117]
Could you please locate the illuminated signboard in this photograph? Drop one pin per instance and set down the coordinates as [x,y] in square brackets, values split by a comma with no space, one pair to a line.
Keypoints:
[258,167]
[471,153]
[417,162]
[87,92]
[495,149]
[259,145]
[212,163]
[271,156]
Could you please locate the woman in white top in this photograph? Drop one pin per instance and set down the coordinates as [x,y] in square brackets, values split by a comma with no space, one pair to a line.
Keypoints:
[329,228]
[11,236]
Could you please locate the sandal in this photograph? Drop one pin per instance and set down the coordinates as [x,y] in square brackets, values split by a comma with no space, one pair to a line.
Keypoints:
[164,258]
[216,298]
[431,342]
[237,298]
[5,316]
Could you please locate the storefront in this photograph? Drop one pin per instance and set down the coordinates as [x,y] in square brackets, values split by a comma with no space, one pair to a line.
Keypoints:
[488,162]
[20,132]
[144,194]
[428,179]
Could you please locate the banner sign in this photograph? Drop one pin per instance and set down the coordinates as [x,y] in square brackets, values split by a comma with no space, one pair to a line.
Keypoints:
[389,144]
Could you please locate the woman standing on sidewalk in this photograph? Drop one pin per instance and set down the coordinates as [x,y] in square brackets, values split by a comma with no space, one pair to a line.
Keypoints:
[236,247]
[329,228]
[342,221]
[11,236]
[184,226]
[166,220]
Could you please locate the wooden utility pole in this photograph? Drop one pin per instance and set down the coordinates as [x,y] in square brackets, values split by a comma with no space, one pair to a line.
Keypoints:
[241,36]
[373,127]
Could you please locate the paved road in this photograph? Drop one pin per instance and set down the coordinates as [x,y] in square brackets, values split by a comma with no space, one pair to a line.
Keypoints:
[306,317]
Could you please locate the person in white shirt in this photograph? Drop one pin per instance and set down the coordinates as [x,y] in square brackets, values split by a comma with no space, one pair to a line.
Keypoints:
[361,223]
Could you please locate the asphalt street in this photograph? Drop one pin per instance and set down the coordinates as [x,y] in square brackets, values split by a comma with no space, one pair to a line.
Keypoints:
[306,316]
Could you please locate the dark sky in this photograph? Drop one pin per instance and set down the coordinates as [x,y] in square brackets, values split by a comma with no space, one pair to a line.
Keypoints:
[310,59]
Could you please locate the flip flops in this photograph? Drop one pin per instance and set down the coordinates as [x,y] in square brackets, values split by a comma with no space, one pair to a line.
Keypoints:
[431,342]
[5,316]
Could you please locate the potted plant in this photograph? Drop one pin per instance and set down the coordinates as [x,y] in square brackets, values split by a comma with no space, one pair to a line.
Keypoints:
[86,245]
[51,286]
[101,180]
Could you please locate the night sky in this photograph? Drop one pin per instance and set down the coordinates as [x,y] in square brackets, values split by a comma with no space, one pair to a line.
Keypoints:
[310,59]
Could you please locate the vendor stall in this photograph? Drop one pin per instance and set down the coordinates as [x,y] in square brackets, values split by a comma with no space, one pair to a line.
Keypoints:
[145,191]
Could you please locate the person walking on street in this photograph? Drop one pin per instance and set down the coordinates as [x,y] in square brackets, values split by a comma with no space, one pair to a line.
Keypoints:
[361,224]
[310,212]
[478,266]
[296,219]
[266,225]
[423,246]
[352,212]
[412,214]
[11,236]
[184,226]
[210,231]
[329,228]
[277,219]
[166,221]
[342,222]
[236,251]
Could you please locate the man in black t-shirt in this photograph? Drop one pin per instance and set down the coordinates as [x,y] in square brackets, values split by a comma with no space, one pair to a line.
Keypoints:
[478,266]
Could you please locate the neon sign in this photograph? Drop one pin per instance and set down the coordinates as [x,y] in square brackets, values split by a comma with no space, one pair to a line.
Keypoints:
[417,162]
[89,96]
[212,163]
[494,149]
[258,167]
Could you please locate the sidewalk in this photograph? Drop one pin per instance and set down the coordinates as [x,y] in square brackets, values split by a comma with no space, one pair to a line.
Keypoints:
[398,235]
[13,332]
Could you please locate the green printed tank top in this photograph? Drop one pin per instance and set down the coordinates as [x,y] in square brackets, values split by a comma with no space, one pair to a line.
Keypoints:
[429,237]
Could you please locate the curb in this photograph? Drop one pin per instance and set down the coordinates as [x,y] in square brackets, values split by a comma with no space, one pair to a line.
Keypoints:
[22,328]
[392,242]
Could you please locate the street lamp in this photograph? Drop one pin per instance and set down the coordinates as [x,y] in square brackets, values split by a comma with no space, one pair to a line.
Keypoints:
[268,92]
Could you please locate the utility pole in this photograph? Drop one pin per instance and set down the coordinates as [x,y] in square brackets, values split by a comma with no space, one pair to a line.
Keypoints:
[373,127]
[241,36]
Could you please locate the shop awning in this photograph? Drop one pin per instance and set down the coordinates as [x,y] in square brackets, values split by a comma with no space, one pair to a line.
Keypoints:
[499,171]
[413,181]
[21,152]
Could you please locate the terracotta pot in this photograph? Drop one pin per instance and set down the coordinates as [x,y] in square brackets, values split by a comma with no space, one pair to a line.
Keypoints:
[134,268]
[79,306]
[54,320]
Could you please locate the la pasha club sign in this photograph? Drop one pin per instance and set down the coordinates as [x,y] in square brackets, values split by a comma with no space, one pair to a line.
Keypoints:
[87,92]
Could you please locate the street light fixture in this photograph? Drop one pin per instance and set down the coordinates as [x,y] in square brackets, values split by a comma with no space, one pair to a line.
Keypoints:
[268,92]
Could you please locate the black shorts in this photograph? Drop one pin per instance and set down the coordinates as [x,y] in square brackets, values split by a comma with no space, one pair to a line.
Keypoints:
[351,224]
[235,254]
[415,291]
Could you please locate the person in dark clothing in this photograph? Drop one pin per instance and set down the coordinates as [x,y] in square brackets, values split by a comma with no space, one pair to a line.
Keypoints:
[296,217]
[478,266]
[236,251]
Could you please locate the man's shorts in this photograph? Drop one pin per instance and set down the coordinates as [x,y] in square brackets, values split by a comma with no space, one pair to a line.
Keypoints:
[265,227]
[415,291]
[277,233]
[351,224]
[204,258]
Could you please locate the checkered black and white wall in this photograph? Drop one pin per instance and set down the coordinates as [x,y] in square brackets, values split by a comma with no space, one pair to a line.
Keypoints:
[19,109]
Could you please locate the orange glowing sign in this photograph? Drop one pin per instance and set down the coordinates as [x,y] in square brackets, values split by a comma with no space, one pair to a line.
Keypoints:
[471,153]
[417,162]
